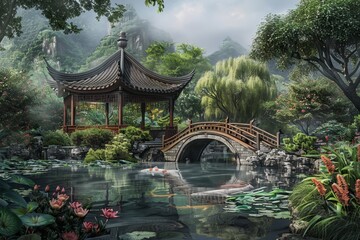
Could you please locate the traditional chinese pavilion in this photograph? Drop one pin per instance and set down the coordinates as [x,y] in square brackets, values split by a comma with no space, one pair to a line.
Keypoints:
[118,80]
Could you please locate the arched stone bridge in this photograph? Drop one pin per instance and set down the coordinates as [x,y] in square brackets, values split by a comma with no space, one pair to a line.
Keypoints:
[242,139]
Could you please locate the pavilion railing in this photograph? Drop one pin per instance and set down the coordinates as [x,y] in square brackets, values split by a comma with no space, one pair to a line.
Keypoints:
[245,133]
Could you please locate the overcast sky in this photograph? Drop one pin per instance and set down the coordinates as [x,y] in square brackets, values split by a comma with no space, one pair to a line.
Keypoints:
[205,23]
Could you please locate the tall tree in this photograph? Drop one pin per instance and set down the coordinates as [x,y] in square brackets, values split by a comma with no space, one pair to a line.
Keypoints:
[164,59]
[236,88]
[308,103]
[59,13]
[16,96]
[324,34]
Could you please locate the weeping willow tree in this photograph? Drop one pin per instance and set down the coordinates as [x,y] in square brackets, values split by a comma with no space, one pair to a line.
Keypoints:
[236,88]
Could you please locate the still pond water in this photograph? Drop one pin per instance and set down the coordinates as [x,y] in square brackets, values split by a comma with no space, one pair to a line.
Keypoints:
[164,205]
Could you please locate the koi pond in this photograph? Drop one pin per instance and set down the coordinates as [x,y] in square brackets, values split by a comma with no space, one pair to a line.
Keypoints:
[185,201]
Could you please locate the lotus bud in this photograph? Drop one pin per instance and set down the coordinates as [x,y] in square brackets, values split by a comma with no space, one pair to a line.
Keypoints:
[47,188]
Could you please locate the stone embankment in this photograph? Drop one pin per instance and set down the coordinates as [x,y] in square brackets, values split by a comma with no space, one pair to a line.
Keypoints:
[279,159]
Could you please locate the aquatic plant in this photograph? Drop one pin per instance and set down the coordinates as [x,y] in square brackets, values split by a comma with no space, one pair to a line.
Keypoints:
[258,203]
[47,215]
[329,201]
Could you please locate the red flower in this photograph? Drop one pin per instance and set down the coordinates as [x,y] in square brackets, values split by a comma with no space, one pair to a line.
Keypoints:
[80,212]
[56,203]
[63,197]
[109,213]
[69,236]
[75,205]
[88,226]
[319,186]
[328,163]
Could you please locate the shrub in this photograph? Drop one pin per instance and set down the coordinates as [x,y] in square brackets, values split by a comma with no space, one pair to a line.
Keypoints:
[135,134]
[334,131]
[56,138]
[93,155]
[165,121]
[330,202]
[92,137]
[300,141]
[118,148]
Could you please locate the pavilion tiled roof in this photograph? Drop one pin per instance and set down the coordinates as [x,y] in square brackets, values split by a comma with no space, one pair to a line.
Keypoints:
[108,77]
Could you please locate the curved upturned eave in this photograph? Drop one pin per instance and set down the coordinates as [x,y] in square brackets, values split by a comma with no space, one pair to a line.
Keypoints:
[71,77]
[146,80]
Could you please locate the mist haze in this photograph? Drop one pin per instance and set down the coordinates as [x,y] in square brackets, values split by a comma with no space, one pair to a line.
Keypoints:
[206,23]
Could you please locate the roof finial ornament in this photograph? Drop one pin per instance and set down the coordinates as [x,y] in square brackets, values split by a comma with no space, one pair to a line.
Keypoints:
[122,41]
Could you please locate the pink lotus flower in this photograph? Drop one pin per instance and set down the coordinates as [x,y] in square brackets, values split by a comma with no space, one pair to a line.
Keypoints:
[88,226]
[56,204]
[69,236]
[63,197]
[36,187]
[63,190]
[80,212]
[58,188]
[75,205]
[109,213]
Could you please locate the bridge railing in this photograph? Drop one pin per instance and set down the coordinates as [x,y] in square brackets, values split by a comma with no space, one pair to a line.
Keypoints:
[248,134]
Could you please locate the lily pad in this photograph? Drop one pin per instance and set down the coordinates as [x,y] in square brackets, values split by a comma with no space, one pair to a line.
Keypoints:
[22,180]
[14,197]
[30,237]
[31,206]
[4,185]
[10,224]
[37,219]
[3,203]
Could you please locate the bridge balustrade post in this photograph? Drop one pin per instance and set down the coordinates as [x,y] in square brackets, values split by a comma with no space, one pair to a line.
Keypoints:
[257,141]
[278,139]
[226,125]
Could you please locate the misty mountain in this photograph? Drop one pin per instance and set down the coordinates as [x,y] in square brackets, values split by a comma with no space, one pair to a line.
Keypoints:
[228,48]
[140,34]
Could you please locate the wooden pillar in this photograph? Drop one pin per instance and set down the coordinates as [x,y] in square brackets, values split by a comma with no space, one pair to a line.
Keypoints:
[73,110]
[106,114]
[65,114]
[143,108]
[171,112]
[120,109]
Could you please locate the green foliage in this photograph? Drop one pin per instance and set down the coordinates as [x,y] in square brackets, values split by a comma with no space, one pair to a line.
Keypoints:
[16,96]
[56,138]
[118,148]
[162,59]
[93,155]
[307,102]
[165,121]
[135,134]
[300,141]
[11,23]
[334,131]
[236,88]
[92,137]
[324,34]
[331,214]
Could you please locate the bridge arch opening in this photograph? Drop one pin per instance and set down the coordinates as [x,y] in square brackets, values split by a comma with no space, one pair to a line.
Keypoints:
[206,150]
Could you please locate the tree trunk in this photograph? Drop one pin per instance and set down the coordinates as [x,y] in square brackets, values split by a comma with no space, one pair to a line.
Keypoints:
[353,97]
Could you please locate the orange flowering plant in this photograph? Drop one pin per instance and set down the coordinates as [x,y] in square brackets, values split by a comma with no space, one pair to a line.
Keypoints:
[330,201]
